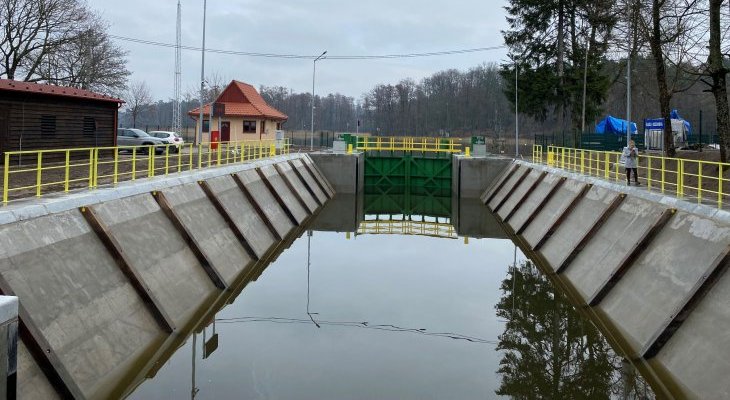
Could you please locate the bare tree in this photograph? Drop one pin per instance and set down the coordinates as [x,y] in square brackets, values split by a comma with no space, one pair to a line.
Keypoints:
[667,28]
[31,29]
[717,70]
[91,62]
[138,100]
[59,41]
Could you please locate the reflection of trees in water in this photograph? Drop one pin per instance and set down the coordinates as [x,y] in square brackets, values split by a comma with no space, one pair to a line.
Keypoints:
[551,352]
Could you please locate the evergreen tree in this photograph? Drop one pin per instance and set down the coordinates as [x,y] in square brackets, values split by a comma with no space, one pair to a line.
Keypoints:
[558,48]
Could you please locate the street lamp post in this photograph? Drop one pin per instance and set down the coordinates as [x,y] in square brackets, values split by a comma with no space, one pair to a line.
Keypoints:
[517,115]
[199,136]
[314,74]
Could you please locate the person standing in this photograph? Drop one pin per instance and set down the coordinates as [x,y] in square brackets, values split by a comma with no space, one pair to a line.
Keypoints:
[631,154]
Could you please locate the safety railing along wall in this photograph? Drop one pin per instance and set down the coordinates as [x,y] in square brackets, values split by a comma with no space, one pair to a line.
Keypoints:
[409,144]
[407,227]
[38,172]
[694,180]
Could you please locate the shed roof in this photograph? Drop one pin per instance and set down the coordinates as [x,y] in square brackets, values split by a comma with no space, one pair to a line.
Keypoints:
[242,100]
[53,90]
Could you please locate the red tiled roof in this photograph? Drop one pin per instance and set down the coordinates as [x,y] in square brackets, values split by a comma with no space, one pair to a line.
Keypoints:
[53,90]
[242,100]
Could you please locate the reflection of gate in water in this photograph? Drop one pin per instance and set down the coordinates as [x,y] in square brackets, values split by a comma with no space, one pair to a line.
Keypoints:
[397,210]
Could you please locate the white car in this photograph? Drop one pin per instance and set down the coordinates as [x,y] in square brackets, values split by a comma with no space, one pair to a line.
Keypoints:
[170,138]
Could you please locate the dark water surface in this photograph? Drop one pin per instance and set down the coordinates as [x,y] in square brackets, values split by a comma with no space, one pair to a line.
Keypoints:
[396,317]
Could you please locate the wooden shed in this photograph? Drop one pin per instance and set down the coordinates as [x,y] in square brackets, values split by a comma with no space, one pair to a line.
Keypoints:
[37,116]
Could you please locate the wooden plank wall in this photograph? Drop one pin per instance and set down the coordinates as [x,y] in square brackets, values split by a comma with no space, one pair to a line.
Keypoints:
[25,111]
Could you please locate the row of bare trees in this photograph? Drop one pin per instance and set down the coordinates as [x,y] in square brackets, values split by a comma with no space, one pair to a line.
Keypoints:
[60,42]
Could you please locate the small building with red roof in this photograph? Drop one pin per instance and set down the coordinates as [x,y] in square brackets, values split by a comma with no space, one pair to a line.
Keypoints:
[38,116]
[241,113]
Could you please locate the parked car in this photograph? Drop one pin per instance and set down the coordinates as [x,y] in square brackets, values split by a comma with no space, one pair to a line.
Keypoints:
[170,138]
[138,137]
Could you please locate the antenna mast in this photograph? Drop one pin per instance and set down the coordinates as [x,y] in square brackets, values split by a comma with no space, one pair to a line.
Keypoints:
[176,117]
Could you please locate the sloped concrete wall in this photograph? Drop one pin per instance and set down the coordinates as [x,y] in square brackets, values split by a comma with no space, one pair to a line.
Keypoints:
[105,278]
[649,270]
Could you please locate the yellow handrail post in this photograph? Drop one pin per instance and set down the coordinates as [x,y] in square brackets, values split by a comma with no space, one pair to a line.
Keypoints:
[663,170]
[349,148]
[200,155]
[116,165]
[134,163]
[167,159]
[179,159]
[699,182]
[39,172]
[67,171]
[96,167]
[607,167]
[467,152]
[190,157]
[719,185]
[272,150]
[679,178]
[648,171]
[91,168]
[152,161]
[6,178]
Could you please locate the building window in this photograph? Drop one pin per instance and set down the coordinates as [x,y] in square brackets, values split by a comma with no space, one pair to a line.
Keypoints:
[278,126]
[89,126]
[206,125]
[48,125]
[249,126]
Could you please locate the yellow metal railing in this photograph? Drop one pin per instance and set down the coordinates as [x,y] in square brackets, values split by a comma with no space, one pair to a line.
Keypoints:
[37,172]
[405,227]
[698,180]
[409,144]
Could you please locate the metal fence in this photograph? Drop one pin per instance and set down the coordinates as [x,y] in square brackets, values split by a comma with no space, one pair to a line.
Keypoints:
[695,180]
[38,172]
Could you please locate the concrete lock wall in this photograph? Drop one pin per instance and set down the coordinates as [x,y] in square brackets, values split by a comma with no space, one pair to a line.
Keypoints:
[648,270]
[107,279]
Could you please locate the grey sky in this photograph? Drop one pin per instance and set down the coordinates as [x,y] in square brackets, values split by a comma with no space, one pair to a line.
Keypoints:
[306,27]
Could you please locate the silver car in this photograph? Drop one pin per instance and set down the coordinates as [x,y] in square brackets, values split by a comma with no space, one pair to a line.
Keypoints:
[138,137]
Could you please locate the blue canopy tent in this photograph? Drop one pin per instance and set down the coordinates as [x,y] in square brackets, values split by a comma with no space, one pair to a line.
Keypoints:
[674,115]
[615,126]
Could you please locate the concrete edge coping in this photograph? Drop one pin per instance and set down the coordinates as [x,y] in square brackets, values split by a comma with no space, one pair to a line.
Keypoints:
[60,202]
[702,210]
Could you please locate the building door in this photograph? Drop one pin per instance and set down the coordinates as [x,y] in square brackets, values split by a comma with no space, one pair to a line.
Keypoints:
[225,131]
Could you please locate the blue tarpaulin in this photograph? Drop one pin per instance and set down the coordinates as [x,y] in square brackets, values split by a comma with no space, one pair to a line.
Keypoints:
[675,115]
[614,125]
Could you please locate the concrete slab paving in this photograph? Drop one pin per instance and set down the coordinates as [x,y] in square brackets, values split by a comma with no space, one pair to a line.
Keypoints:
[297,185]
[205,224]
[519,194]
[603,254]
[508,185]
[309,180]
[583,217]
[533,201]
[243,214]
[159,254]
[319,176]
[77,296]
[552,211]
[287,196]
[652,290]
[697,354]
[265,199]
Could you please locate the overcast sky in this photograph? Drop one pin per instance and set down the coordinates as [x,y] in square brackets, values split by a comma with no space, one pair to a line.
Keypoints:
[308,27]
